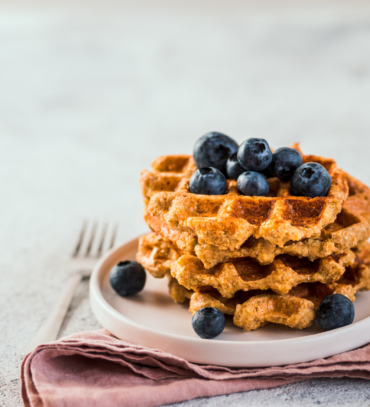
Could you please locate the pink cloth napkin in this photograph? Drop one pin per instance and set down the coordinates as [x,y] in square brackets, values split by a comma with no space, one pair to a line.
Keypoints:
[97,369]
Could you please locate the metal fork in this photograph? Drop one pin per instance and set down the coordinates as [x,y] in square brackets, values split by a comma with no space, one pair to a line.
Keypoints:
[94,239]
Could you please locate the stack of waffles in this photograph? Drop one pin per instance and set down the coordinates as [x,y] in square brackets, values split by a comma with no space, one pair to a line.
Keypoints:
[261,259]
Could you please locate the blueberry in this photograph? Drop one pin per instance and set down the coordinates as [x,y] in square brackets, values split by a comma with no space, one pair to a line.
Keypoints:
[284,162]
[127,278]
[233,168]
[213,149]
[310,179]
[208,322]
[335,311]
[254,154]
[253,184]
[208,181]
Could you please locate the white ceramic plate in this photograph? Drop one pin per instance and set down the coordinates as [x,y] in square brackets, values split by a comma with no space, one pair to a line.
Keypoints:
[152,319]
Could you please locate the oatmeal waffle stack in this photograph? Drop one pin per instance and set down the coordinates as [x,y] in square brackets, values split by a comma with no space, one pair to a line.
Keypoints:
[261,259]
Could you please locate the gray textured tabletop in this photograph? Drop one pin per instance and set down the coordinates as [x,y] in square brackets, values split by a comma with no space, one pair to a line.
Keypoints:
[91,93]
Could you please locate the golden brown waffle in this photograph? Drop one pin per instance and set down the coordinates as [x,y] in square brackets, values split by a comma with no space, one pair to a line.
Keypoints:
[348,231]
[296,309]
[358,200]
[160,258]
[350,228]
[227,221]
[178,292]
[156,255]
[245,274]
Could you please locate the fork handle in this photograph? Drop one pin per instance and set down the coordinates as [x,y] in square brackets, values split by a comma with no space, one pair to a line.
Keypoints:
[50,328]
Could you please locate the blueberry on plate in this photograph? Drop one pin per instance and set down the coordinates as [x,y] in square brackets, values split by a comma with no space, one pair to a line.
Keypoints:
[208,322]
[213,149]
[207,181]
[335,311]
[310,179]
[233,168]
[285,161]
[127,278]
[254,154]
[253,184]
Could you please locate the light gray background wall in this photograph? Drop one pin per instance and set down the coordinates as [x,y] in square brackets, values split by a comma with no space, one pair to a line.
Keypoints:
[92,92]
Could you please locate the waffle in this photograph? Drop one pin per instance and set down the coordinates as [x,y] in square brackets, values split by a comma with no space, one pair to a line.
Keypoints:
[227,221]
[348,231]
[350,228]
[358,200]
[160,257]
[245,274]
[156,255]
[179,293]
[296,309]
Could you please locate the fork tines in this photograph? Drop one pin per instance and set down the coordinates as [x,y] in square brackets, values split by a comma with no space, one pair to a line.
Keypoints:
[95,238]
